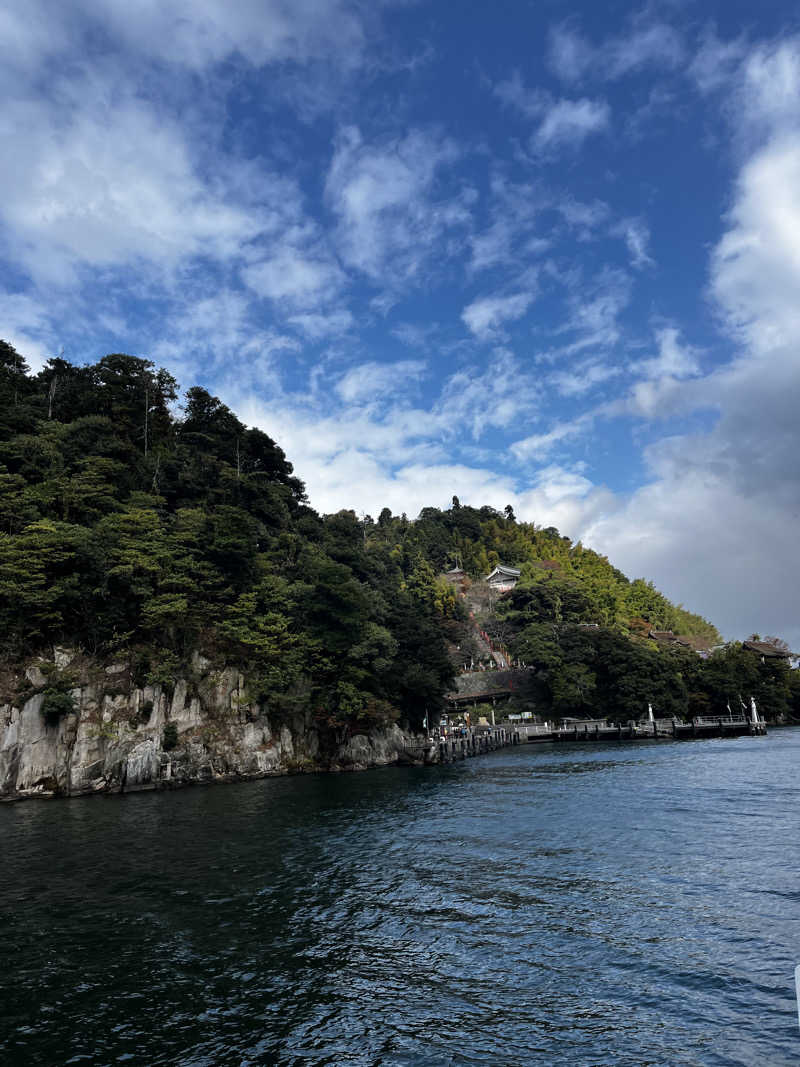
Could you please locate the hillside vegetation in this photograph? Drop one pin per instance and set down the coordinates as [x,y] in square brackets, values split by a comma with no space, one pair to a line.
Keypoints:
[137,523]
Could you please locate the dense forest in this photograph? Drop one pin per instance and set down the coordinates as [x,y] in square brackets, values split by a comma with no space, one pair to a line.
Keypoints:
[137,522]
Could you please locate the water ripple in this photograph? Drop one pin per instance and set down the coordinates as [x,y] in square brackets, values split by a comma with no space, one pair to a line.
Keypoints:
[616,904]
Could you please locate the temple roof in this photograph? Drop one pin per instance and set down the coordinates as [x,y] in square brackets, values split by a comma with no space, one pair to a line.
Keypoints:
[504,572]
[763,648]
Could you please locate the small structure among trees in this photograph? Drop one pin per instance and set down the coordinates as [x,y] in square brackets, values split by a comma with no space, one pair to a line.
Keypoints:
[772,648]
[457,577]
[697,643]
[502,578]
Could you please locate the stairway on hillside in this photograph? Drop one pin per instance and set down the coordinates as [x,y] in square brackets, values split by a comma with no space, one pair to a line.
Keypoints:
[484,648]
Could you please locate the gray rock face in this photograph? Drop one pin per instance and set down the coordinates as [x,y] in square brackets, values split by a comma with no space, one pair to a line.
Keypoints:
[114,741]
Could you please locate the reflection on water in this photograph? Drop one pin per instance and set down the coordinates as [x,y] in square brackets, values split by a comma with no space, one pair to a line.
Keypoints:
[614,904]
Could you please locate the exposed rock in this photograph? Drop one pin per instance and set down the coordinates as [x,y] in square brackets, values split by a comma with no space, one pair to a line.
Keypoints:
[200,663]
[114,741]
[62,657]
[36,676]
[142,764]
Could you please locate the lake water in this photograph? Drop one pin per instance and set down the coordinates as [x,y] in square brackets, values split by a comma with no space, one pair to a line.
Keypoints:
[629,904]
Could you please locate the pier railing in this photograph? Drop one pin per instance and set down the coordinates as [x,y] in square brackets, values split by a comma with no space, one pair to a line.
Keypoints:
[535,728]
[699,726]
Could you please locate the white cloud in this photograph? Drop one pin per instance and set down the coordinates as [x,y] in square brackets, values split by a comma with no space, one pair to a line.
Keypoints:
[316,326]
[263,31]
[583,377]
[130,178]
[355,454]
[386,196]
[661,394]
[721,553]
[485,316]
[570,55]
[636,235]
[532,103]
[367,459]
[595,308]
[510,237]
[101,185]
[414,334]
[220,338]
[562,123]
[368,487]
[567,123]
[756,265]
[565,498]
[582,215]
[492,247]
[674,359]
[501,394]
[647,42]
[716,61]
[297,277]
[194,33]
[369,382]
[26,327]
[119,169]
[716,527]
[770,91]
[537,446]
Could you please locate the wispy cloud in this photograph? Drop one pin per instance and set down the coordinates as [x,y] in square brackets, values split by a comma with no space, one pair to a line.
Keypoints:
[498,394]
[539,445]
[100,185]
[595,306]
[636,235]
[567,123]
[647,42]
[511,237]
[370,382]
[194,36]
[295,276]
[716,61]
[561,123]
[485,316]
[389,204]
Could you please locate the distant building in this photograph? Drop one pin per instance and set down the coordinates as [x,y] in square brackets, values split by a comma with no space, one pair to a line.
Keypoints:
[666,637]
[700,645]
[766,650]
[457,576]
[502,578]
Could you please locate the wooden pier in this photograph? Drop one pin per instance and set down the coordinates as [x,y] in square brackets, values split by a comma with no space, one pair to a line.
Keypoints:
[474,741]
[703,726]
[461,743]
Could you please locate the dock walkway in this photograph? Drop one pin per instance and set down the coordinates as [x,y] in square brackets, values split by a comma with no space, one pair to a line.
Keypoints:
[659,729]
[474,741]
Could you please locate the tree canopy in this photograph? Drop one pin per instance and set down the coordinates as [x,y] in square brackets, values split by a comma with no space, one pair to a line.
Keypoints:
[130,521]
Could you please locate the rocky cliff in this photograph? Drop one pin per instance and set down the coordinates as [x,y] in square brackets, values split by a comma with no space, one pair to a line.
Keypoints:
[111,735]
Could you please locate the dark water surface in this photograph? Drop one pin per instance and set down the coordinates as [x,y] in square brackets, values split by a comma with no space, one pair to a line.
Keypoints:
[631,904]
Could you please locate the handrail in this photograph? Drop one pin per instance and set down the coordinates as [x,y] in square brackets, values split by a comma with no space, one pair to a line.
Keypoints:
[721,720]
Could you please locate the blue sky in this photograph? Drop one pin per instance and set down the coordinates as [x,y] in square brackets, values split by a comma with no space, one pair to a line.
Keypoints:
[545,254]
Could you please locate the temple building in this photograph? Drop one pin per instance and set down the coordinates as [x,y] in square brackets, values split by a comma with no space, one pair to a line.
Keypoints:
[503,578]
[766,650]
[457,574]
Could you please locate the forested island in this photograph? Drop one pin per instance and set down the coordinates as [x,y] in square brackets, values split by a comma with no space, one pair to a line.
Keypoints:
[152,543]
